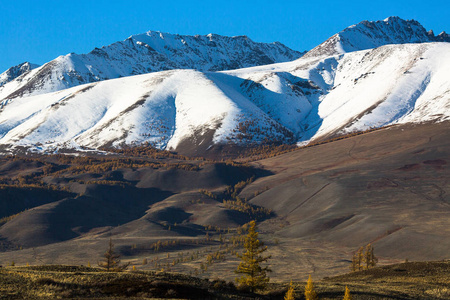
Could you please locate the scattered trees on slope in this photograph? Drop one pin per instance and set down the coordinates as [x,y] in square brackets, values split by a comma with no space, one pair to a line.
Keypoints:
[364,258]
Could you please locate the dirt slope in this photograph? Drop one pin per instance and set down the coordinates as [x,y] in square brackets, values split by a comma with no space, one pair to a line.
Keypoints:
[388,187]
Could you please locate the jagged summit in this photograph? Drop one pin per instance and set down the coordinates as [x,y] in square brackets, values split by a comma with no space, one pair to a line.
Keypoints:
[443,37]
[16,71]
[373,34]
[152,51]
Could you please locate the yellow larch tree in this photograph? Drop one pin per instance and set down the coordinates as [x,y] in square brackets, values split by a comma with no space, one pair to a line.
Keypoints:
[369,257]
[290,294]
[254,276]
[347,295]
[111,260]
[310,293]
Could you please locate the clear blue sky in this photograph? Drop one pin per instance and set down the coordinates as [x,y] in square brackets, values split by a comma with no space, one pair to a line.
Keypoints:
[40,30]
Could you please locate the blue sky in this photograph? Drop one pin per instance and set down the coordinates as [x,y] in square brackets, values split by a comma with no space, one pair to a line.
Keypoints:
[40,30]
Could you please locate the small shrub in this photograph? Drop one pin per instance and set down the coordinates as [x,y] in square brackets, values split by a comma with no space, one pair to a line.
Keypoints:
[45,281]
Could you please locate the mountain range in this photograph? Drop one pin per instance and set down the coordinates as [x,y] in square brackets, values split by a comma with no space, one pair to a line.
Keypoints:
[144,53]
[373,34]
[369,75]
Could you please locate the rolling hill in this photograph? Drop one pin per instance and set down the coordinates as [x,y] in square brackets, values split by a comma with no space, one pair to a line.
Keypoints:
[315,205]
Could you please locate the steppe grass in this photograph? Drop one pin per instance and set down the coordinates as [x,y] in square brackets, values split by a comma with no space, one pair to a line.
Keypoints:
[414,280]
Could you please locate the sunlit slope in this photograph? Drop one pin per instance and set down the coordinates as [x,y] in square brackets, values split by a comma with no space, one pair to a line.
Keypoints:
[160,108]
[149,52]
[306,99]
[356,91]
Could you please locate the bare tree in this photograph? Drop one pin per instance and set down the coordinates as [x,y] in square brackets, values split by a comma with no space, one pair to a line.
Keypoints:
[111,260]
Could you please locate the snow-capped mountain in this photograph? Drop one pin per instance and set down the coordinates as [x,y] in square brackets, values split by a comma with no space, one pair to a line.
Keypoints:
[310,98]
[145,53]
[297,101]
[16,71]
[373,34]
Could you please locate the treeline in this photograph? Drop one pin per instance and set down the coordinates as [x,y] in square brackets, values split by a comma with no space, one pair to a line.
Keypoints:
[267,150]
[245,132]
[6,219]
[59,165]
[148,151]
[231,200]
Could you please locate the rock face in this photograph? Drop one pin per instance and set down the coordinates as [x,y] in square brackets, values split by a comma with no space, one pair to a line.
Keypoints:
[146,53]
[369,35]
[16,71]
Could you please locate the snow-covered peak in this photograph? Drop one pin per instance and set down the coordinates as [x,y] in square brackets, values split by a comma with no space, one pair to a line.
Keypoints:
[372,34]
[16,71]
[303,100]
[314,97]
[152,51]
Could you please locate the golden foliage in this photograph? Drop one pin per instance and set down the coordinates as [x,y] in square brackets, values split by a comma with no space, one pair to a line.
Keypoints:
[255,277]
[148,151]
[310,293]
[290,294]
[4,220]
[347,295]
[364,258]
[369,257]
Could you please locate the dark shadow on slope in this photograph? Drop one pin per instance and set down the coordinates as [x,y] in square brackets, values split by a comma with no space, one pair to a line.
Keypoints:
[300,86]
[17,199]
[311,124]
[210,176]
[66,219]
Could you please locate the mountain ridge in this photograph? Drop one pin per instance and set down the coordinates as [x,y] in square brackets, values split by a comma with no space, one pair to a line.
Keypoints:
[16,71]
[300,101]
[372,34]
[144,53]
[311,98]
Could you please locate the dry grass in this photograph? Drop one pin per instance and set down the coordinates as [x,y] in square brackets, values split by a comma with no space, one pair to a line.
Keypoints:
[61,282]
[416,280]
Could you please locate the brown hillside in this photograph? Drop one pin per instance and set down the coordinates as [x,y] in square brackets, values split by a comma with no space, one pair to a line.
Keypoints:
[315,206]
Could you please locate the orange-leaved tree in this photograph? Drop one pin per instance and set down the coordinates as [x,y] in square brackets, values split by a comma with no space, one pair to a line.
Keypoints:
[369,257]
[364,259]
